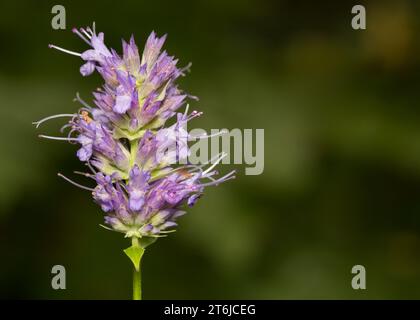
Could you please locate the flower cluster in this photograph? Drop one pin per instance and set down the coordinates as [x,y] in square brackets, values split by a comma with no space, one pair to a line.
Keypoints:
[134,159]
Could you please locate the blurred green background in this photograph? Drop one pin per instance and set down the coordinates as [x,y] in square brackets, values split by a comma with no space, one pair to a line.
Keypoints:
[341,183]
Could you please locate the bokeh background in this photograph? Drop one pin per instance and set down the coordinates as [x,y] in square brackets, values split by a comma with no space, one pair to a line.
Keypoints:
[341,184]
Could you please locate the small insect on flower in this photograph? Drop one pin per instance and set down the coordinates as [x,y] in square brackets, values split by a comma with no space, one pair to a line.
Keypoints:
[134,160]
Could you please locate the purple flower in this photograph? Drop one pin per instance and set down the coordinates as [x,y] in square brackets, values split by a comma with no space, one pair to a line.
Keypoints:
[87,68]
[133,158]
[137,187]
[99,51]
[125,94]
[131,57]
[151,51]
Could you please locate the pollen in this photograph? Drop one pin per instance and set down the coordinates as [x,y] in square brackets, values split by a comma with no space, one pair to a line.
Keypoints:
[184,173]
[85,116]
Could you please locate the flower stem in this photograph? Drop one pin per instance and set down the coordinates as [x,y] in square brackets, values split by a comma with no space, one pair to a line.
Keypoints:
[136,284]
[136,275]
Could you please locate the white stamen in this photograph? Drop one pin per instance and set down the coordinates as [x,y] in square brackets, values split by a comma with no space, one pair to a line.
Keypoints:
[212,179]
[57,138]
[204,136]
[193,115]
[64,50]
[167,231]
[85,174]
[81,36]
[212,159]
[90,167]
[74,183]
[223,154]
[63,115]
[69,136]
[199,167]
[186,110]
[82,102]
[226,177]
[193,166]
[185,69]
[65,127]
[85,33]
[210,174]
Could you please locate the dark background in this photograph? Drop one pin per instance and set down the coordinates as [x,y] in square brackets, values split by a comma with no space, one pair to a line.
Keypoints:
[342,152]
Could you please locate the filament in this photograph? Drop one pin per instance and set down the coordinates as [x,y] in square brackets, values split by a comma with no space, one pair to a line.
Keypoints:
[90,167]
[82,102]
[205,136]
[85,174]
[74,183]
[226,177]
[57,138]
[85,33]
[223,154]
[80,35]
[64,50]
[63,115]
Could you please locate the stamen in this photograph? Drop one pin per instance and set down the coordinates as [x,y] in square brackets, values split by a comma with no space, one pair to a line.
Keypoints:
[210,174]
[157,235]
[64,50]
[226,177]
[39,122]
[87,34]
[75,183]
[85,174]
[66,126]
[185,69]
[193,115]
[57,138]
[230,175]
[90,167]
[93,32]
[80,35]
[167,231]
[205,136]
[186,110]
[199,167]
[193,97]
[70,138]
[212,159]
[193,166]
[107,228]
[223,154]
[210,178]
[81,101]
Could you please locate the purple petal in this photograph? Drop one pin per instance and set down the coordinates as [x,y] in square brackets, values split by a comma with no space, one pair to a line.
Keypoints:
[193,199]
[122,103]
[87,69]
[84,153]
[136,203]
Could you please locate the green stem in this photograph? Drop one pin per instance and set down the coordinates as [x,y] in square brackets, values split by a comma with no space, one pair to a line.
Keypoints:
[136,284]
[136,275]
